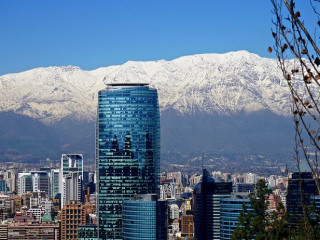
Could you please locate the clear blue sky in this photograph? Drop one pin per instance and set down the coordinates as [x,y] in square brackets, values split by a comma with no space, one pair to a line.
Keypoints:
[92,33]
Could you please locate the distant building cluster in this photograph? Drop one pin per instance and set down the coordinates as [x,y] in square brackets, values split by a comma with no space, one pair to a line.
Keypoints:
[45,204]
[49,203]
[126,196]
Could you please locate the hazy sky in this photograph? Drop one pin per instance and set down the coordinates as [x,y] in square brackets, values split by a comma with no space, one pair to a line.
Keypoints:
[92,33]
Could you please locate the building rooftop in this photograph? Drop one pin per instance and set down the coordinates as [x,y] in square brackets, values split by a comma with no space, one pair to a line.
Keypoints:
[127,84]
[145,197]
[46,218]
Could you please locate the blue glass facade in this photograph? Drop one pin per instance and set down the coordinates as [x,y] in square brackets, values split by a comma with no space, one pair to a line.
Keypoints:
[230,209]
[301,187]
[128,150]
[315,200]
[87,232]
[144,219]
[3,186]
[207,195]
[242,187]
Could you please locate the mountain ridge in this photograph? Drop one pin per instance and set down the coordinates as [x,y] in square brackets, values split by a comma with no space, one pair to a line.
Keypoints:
[212,83]
[235,103]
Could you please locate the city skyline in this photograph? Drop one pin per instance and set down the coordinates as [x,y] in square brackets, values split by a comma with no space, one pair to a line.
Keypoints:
[218,141]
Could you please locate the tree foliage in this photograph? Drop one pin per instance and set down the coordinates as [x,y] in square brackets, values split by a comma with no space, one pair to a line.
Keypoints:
[244,230]
[293,40]
[259,223]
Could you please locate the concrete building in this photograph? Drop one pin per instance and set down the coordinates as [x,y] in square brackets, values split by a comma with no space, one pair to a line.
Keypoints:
[37,213]
[40,181]
[6,207]
[24,183]
[10,177]
[187,225]
[167,189]
[173,211]
[34,230]
[3,231]
[73,214]
[71,176]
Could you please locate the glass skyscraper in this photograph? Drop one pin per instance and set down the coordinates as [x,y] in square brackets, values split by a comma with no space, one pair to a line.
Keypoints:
[207,195]
[54,181]
[144,217]
[301,187]
[230,209]
[128,150]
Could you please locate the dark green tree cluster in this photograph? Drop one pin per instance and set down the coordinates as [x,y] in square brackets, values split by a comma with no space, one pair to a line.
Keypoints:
[258,223]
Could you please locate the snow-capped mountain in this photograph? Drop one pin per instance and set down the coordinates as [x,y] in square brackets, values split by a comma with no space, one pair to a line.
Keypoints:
[210,83]
[233,103]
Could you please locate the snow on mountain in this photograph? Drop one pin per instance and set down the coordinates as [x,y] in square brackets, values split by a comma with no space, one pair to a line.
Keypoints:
[211,83]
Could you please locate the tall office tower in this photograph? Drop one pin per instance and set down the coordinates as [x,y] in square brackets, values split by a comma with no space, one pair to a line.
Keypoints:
[207,195]
[73,186]
[128,151]
[71,176]
[73,214]
[3,184]
[144,218]
[40,181]
[54,180]
[301,187]
[230,209]
[24,183]
[10,178]
[85,178]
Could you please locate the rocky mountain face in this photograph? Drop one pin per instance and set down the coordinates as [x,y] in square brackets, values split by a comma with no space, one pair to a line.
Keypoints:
[233,102]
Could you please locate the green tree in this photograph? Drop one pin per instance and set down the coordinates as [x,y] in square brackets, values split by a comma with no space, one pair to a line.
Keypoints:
[244,229]
[259,223]
[259,204]
[279,224]
[308,227]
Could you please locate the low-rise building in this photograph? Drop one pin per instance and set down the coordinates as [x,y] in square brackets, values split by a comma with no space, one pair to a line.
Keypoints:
[33,230]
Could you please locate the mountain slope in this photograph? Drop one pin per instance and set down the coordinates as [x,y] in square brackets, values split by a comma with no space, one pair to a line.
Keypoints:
[220,83]
[233,103]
